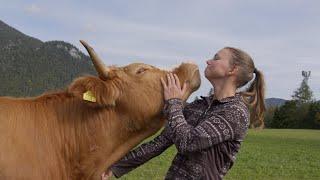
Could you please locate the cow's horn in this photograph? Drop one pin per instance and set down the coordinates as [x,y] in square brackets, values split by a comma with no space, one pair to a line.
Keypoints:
[102,69]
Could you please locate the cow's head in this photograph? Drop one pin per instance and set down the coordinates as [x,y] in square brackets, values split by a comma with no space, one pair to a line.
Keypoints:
[134,90]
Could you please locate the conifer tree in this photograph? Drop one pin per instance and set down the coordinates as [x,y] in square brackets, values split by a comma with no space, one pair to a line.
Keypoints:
[303,94]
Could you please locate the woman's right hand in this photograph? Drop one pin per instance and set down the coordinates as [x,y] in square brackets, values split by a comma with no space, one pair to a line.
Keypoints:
[106,175]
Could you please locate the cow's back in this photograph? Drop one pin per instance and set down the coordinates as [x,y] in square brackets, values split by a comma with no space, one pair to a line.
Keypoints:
[27,149]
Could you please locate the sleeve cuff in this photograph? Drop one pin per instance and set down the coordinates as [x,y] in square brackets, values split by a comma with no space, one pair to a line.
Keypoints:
[174,101]
[171,102]
[116,172]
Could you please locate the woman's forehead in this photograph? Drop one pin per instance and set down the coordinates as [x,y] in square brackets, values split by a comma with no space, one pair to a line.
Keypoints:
[223,52]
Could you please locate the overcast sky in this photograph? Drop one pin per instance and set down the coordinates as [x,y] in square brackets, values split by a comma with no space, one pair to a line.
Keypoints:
[281,36]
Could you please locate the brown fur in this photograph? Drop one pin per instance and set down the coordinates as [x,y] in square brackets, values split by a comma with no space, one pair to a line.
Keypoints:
[60,136]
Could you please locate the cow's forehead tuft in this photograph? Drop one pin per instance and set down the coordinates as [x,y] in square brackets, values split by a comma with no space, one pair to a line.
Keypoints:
[113,66]
[139,65]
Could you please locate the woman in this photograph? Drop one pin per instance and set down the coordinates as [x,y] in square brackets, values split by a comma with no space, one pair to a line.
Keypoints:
[207,132]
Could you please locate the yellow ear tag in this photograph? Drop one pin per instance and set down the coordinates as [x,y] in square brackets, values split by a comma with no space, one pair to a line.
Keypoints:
[88,96]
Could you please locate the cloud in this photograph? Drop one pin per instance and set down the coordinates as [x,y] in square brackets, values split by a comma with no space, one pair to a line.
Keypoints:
[33,9]
[89,28]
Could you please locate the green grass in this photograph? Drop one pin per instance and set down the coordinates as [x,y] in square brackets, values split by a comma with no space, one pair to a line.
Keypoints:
[266,154]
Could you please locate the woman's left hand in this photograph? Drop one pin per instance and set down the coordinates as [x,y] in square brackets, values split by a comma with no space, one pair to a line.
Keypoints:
[173,88]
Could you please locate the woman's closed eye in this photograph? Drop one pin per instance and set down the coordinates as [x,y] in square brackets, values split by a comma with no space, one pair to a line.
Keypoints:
[216,57]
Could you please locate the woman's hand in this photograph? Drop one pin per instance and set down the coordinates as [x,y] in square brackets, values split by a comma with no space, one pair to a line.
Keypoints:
[106,175]
[173,88]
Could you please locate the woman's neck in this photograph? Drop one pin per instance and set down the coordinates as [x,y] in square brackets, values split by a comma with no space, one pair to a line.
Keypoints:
[223,90]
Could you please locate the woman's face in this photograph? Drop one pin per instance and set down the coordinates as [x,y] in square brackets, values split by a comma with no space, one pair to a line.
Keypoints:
[219,65]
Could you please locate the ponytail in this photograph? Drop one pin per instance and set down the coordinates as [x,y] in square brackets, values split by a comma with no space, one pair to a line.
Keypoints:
[254,97]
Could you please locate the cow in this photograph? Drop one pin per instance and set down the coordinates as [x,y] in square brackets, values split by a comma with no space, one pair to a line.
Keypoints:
[78,132]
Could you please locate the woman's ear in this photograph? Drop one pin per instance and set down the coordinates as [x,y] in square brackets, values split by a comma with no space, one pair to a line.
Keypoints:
[234,70]
[94,91]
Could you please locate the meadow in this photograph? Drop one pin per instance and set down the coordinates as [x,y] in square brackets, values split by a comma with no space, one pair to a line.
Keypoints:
[265,154]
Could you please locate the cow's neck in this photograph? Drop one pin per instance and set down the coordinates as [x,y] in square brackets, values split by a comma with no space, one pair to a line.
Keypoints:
[103,158]
[96,138]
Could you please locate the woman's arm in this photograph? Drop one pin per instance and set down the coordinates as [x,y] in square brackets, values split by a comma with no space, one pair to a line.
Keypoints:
[211,131]
[142,154]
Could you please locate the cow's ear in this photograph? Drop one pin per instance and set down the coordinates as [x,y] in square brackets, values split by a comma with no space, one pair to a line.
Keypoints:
[94,91]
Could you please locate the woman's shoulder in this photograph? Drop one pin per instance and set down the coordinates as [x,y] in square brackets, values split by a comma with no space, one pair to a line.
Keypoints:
[195,106]
[237,103]
[197,101]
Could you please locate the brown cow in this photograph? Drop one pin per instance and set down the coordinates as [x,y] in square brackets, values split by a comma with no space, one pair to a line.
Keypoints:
[79,132]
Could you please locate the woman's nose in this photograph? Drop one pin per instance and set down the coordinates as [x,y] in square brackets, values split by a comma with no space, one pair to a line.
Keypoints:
[208,61]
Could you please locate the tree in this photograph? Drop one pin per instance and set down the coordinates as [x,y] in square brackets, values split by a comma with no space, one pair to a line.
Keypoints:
[269,115]
[303,94]
[312,119]
[285,116]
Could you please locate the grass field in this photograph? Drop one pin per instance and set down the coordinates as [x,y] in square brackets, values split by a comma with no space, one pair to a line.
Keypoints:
[265,154]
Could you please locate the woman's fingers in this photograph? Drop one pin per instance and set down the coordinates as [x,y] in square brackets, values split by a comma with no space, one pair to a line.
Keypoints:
[106,175]
[173,89]
[177,81]
[163,83]
[169,80]
[173,81]
[103,176]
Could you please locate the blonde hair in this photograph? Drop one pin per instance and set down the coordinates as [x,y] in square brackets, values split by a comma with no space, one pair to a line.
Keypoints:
[254,95]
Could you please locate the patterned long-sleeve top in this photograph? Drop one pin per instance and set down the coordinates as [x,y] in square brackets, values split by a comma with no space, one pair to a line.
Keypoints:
[207,134]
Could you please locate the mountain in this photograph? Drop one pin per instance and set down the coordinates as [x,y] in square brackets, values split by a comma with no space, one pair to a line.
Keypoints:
[272,102]
[29,67]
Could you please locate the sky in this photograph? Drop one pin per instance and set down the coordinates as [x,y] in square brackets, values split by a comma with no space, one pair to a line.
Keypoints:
[280,35]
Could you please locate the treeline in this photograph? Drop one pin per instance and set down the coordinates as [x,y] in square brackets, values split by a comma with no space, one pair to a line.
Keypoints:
[294,115]
[302,112]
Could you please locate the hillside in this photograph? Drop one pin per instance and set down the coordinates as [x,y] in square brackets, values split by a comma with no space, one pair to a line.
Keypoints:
[272,102]
[28,66]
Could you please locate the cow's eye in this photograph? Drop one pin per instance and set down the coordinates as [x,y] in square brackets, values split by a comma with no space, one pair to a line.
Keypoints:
[141,70]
